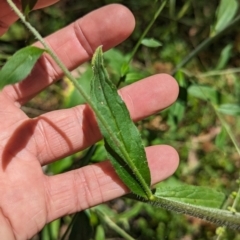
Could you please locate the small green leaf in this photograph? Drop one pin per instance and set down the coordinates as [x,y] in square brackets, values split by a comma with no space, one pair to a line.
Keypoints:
[216,216]
[224,57]
[229,109]
[122,139]
[200,202]
[72,97]
[81,228]
[28,5]
[132,77]
[61,165]
[226,12]
[54,228]
[151,42]
[19,65]
[115,61]
[124,69]
[194,195]
[221,139]
[100,233]
[204,93]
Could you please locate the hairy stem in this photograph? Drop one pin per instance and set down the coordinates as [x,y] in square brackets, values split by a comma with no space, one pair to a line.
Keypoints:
[217,216]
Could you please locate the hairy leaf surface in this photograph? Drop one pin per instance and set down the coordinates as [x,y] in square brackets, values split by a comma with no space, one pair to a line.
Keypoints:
[122,139]
[194,195]
[200,202]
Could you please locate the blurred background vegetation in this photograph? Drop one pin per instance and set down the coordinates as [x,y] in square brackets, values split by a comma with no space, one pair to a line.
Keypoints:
[198,42]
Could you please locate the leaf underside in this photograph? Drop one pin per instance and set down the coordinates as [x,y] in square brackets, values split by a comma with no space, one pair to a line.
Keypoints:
[127,155]
[122,139]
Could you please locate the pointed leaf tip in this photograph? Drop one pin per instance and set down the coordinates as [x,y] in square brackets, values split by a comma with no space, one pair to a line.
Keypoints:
[122,139]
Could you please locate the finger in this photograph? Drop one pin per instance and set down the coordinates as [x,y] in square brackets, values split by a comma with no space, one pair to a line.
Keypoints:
[64,132]
[8,17]
[94,184]
[74,44]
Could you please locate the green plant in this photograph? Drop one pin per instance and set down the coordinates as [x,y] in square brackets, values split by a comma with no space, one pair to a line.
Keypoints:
[179,206]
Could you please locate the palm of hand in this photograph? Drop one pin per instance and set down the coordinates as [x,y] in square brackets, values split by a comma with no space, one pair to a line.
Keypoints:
[23,184]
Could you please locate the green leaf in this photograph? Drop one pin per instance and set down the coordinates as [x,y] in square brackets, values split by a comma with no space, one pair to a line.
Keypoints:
[200,202]
[115,60]
[28,5]
[124,69]
[151,42]
[81,228]
[100,233]
[217,216]
[72,97]
[204,93]
[221,139]
[229,109]
[54,228]
[224,57]
[51,230]
[226,12]
[61,165]
[19,65]
[122,139]
[16,32]
[132,77]
[194,195]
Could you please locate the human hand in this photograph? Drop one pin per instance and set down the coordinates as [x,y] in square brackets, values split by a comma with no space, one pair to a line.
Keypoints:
[28,198]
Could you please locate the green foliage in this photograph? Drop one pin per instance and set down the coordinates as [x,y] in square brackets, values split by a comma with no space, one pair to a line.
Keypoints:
[51,230]
[197,125]
[150,42]
[121,137]
[28,5]
[81,228]
[195,195]
[123,145]
[204,93]
[229,109]
[227,9]
[19,65]
[225,56]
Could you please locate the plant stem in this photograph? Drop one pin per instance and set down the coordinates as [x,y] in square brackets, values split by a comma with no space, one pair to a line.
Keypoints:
[122,78]
[234,141]
[204,44]
[113,225]
[210,73]
[50,52]
[146,30]
[220,217]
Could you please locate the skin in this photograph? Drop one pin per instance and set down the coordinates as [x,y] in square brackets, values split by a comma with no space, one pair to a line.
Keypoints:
[28,198]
